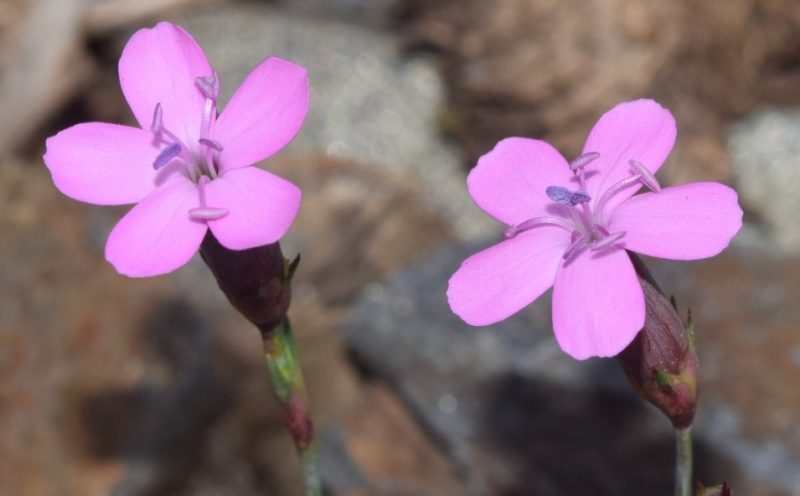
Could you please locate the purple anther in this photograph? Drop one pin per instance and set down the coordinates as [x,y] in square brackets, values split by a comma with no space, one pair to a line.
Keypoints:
[648,179]
[559,195]
[214,145]
[579,197]
[583,160]
[608,240]
[166,155]
[209,86]
[579,242]
[158,120]
[563,196]
[208,213]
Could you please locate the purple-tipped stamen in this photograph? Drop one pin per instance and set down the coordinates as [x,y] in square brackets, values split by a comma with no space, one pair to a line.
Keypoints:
[559,194]
[158,120]
[513,230]
[579,197]
[563,196]
[209,86]
[579,243]
[608,240]
[214,145]
[648,179]
[166,155]
[208,213]
[583,160]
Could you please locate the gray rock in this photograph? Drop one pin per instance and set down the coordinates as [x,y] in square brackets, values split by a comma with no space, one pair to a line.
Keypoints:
[765,157]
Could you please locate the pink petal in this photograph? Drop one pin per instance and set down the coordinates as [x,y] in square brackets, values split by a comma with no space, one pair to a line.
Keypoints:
[509,182]
[264,114]
[641,130]
[159,65]
[687,222]
[498,282]
[261,207]
[104,164]
[598,304]
[157,236]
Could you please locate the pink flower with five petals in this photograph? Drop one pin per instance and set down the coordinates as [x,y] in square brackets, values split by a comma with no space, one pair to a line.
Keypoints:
[570,224]
[186,169]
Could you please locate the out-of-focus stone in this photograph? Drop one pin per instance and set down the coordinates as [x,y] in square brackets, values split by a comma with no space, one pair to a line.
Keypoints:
[357,224]
[765,151]
[43,63]
[103,16]
[372,12]
[520,417]
[549,69]
[388,450]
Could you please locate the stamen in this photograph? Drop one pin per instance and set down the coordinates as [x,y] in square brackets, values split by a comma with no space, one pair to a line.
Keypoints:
[563,196]
[209,86]
[158,120]
[614,189]
[216,145]
[166,155]
[583,160]
[608,240]
[579,242]
[208,213]
[648,179]
[559,195]
[579,197]
[513,230]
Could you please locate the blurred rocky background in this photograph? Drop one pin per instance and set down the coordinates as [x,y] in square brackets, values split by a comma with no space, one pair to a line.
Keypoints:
[156,387]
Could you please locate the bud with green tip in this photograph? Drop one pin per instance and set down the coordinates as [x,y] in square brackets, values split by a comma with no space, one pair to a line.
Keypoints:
[661,363]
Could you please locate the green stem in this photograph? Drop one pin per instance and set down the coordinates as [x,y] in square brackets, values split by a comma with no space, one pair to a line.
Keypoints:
[289,388]
[683,462]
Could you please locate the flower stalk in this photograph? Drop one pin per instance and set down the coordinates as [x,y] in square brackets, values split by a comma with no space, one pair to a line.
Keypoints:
[283,365]
[683,462]
[257,282]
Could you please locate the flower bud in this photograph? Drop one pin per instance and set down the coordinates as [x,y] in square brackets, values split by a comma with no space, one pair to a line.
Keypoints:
[256,281]
[660,362]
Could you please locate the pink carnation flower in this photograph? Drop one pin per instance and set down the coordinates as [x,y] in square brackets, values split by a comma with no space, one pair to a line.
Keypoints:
[570,224]
[186,170]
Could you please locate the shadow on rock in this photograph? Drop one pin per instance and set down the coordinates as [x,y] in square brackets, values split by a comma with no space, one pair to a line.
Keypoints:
[165,427]
[561,440]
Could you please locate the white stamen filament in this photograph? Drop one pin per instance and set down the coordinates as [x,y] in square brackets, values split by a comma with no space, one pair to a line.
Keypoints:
[515,229]
[608,240]
[578,244]
[614,189]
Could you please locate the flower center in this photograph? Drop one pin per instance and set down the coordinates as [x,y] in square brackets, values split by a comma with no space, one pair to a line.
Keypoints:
[198,160]
[585,222]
